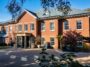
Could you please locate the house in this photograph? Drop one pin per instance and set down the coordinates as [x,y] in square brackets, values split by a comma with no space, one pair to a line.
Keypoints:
[30,25]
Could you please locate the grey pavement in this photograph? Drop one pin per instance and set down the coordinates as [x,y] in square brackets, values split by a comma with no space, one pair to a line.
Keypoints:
[17,57]
[20,57]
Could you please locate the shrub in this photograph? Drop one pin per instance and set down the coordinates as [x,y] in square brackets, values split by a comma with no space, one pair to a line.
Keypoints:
[49,60]
[86,47]
[70,39]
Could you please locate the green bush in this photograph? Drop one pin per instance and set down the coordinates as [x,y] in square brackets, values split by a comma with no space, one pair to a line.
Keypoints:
[86,48]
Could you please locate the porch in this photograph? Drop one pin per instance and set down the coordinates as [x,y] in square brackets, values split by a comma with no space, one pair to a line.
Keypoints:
[25,40]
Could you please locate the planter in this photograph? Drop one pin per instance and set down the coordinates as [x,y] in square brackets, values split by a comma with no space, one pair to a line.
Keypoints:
[38,46]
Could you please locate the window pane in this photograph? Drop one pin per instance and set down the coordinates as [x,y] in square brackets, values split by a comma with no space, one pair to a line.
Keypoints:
[19,27]
[31,27]
[51,26]
[79,44]
[25,27]
[51,41]
[10,28]
[6,29]
[42,26]
[79,25]
[66,25]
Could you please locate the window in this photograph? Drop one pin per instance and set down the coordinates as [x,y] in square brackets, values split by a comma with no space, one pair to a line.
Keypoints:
[19,27]
[42,40]
[25,27]
[6,29]
[51,41]
[79,25]
[66,25]
[32,40]
[31,27]
[52,26]
[79,44]
[16,28]
[10,28]
[43,26]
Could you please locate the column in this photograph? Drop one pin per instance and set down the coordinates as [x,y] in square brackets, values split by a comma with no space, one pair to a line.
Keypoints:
[21,41]
[16,42]
[25,44]
[29,42]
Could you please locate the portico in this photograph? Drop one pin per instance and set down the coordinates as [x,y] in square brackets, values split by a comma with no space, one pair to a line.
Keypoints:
[25,40]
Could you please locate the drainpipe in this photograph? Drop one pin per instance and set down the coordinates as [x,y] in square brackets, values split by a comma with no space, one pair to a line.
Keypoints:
[89,25]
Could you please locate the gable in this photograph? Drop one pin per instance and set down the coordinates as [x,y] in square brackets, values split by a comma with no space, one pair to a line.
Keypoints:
[26,14]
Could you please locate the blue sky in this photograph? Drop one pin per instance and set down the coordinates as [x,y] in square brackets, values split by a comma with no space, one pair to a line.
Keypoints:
[34,5]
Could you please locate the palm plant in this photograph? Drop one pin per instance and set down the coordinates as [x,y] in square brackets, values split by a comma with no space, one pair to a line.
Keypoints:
[59,37]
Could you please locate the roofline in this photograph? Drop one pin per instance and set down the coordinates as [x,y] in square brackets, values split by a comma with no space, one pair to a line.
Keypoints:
[65,17]
[49,17]
[30,13]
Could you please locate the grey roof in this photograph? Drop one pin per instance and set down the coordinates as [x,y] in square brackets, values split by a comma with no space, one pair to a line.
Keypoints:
[55,12]
[51,13]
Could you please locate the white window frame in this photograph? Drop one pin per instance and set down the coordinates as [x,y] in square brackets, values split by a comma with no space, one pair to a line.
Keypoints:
[16,28]
[43,26]
[80,45]
[81,24]
[7,29]
[43,41]
[65,25]
[19,27]
[10,28]
[25,28]
[53,25]
[32,27]
[53,41]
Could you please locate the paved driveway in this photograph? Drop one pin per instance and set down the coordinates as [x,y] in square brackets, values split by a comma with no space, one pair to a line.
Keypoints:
[25,57]
[20,57]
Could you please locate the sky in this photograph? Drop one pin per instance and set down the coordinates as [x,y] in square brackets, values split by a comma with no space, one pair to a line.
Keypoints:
[35,5]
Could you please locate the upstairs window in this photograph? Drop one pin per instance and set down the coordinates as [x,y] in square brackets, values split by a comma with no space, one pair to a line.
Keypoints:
[32,27]
[6,29]
[25,27]
[79,24]
[19,28]
[52,26]
[43,26]
[10,28]
[66,25]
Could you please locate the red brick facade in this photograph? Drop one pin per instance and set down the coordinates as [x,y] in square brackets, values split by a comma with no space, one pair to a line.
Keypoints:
[28,18]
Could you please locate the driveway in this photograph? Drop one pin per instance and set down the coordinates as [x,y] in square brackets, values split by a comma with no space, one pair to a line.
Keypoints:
[25,57]
[20,57]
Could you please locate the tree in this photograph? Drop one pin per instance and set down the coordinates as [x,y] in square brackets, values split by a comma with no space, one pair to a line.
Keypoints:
[70,39]
[62,5]
[15,7]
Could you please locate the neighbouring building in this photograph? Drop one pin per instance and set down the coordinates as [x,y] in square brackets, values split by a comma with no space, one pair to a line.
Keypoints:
[30,25]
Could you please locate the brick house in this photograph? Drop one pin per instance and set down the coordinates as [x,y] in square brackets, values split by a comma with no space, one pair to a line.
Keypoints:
[47,25]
